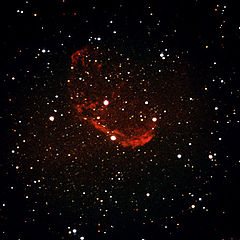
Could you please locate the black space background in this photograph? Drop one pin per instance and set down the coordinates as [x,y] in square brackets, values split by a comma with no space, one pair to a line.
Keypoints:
[194,23]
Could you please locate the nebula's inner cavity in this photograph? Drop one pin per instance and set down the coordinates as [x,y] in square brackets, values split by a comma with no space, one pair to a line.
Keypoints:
[110,92]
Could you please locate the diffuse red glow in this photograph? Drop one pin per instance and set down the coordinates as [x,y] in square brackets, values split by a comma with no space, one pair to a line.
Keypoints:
[118,115]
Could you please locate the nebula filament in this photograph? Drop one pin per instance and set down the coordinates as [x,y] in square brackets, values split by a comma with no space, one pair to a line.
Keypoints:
[110,92]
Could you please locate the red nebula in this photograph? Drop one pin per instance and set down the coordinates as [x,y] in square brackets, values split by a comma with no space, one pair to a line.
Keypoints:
[107,95]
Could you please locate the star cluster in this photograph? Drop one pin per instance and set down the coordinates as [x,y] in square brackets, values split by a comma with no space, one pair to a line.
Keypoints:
[120,121]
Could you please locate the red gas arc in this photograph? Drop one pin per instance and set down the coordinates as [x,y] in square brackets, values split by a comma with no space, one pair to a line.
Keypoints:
[107,94]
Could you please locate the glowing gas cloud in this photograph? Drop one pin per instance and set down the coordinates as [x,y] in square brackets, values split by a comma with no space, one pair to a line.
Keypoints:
[108,93]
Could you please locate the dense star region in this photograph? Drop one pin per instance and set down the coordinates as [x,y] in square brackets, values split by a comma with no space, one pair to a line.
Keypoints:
[120,120]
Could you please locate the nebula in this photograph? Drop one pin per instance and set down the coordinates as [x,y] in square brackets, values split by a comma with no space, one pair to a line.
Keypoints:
[110,92]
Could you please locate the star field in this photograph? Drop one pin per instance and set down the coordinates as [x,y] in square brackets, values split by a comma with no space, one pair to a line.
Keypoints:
[120,120]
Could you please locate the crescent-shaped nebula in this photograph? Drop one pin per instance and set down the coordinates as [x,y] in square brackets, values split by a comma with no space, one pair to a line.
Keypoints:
[111,93]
